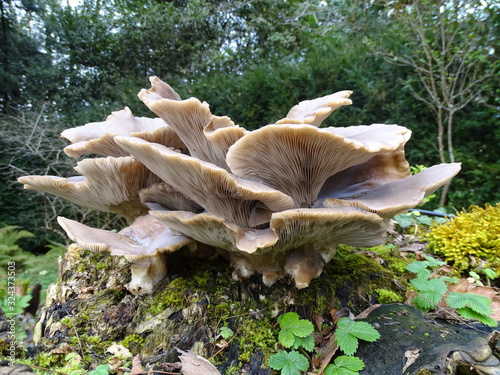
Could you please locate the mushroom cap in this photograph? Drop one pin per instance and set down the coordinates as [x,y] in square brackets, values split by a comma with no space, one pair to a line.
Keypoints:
[107,184]
[272,250]
[189,118]
[161,90]
[98,137]
[399,196]
[216,231]
[246,203]
[298,159]
[223,132]
[146,236]
[313,112]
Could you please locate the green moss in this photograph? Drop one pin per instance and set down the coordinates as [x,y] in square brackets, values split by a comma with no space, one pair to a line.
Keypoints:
[256,335]
[388,296]
[126,342]
[469,238]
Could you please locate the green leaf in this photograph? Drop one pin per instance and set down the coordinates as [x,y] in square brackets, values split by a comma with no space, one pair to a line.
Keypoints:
[101,370]
[345,365]
[226,332]
[292,326]
[430,290]
[420,268]
[468,313]
[433,262]
[306,342]
[478,303]
[290,363]
[490,274]
[348,332]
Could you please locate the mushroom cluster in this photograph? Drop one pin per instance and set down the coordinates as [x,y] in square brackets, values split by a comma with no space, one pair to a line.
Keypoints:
[277,200]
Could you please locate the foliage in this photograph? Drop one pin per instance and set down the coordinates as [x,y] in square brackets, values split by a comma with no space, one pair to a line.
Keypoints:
[290,363]
[296,333]
[226,333]
[345,365]
[431,291]
[349,332]
[10,251]
[469,238]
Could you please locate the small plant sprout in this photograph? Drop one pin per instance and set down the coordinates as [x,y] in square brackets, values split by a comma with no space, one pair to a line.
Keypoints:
[226,333]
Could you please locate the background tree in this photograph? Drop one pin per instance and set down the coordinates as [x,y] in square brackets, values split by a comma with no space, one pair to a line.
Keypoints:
[451,49]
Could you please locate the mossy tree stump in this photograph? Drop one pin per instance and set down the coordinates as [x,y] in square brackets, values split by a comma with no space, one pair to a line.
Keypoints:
[89,308]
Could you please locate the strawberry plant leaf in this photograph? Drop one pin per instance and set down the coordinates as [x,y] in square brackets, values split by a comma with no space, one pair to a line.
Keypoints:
[478,303]
[345,365]
[292,326]
[348,332]
[306,342]
[468,313]
[290,363]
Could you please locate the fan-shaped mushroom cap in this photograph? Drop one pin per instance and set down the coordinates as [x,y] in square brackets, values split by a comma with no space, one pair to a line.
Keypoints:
[313,112]
[245,203]
[145,236]
[161,90]
[297,159]
[142,243]
[192,121]
[97,137]
[107,184]
[399,196]
[358,179]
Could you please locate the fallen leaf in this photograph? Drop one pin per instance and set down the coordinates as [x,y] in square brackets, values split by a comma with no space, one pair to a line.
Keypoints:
[193,364]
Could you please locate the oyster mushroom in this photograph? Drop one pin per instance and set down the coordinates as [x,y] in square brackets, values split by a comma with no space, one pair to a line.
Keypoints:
[98,137]
[143,244]
[106,184]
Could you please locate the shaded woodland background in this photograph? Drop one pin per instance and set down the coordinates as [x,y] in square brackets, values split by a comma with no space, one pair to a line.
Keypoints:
[431,66]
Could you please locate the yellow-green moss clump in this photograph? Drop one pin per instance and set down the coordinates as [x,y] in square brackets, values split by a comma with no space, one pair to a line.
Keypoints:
[469,238]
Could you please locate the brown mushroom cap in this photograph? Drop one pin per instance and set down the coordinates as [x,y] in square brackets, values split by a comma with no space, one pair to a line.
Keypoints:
[107,184]
[145,236]
[219,192]
[313,112]
[297,159]
[399,196]
[97,137]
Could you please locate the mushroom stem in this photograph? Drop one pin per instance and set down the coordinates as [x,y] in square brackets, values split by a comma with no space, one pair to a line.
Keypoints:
[147,271]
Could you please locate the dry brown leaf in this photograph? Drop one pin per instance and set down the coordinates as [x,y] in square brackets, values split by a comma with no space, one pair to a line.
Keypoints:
[136,365]
[193,364]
